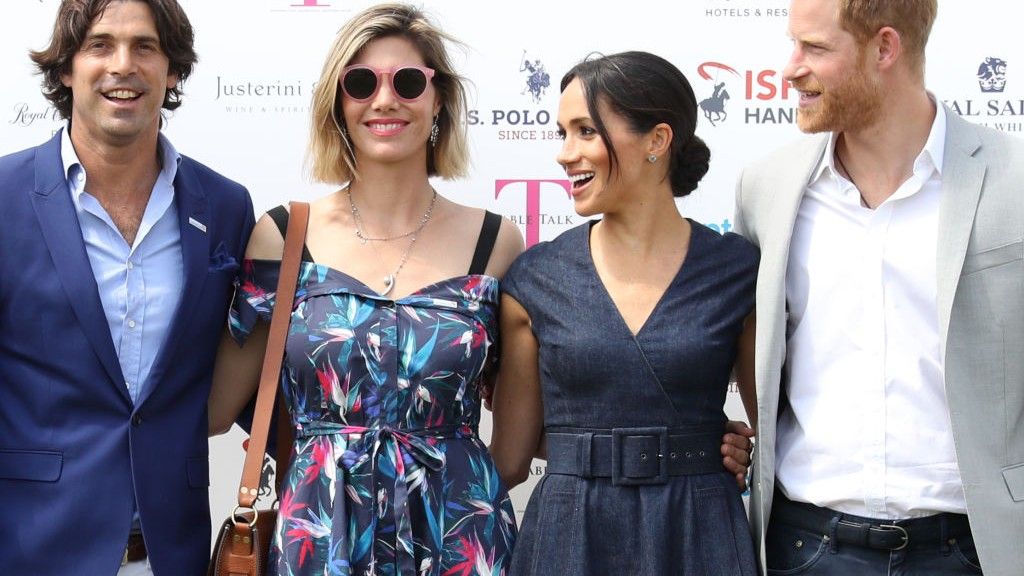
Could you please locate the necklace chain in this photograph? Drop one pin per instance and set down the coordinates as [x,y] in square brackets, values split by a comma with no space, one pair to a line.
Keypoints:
[413,235]
[358,217]
[849,177]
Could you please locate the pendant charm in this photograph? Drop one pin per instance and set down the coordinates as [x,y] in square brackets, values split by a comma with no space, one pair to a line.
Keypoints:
[389,283]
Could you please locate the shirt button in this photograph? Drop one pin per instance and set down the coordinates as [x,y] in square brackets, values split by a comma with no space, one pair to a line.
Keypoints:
[130,265]
[131,323]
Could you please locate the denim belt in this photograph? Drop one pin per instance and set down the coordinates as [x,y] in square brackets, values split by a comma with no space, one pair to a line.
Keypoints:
[869,532]
[633,456]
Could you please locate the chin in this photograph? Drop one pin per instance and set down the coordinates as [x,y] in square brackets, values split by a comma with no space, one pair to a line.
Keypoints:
[811,123]
[585,209]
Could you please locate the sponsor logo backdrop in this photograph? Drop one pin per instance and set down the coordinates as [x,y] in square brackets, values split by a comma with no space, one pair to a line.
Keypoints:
[246,108]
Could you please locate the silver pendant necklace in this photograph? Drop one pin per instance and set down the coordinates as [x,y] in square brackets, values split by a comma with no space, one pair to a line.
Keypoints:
[413,235]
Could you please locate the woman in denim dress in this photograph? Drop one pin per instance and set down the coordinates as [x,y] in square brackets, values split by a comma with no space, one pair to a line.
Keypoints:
[618,340]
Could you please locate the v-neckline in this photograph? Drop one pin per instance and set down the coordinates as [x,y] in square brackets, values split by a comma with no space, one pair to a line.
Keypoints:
[589,257]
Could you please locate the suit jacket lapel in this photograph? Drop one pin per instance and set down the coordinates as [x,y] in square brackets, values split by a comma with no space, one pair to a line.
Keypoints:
[962,179]
[63,237]
[190,199]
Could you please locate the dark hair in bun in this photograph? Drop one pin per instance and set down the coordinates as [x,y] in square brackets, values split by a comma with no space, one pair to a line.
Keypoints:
[646,90]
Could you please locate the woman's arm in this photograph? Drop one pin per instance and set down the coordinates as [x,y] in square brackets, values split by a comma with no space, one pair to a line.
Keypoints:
[736,444]
[236,373]
[745,369]
[518,411]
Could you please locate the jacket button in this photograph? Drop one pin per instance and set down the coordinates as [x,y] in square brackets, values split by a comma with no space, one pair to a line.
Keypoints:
[136,419]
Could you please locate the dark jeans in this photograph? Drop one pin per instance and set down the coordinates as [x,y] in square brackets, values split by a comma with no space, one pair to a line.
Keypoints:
[805,539]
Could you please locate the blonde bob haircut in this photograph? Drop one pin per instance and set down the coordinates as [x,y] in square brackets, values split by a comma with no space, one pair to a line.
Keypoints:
[330,157]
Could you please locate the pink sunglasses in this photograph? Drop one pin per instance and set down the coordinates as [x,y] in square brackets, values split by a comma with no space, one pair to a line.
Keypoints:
[408,83]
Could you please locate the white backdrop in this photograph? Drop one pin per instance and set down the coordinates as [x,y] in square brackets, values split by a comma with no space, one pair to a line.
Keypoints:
[245,109]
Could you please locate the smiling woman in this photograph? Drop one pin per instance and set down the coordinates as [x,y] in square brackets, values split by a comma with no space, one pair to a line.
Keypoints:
[624,395]
[393,329]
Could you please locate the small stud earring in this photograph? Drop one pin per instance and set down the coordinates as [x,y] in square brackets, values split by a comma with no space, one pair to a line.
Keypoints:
[652,158]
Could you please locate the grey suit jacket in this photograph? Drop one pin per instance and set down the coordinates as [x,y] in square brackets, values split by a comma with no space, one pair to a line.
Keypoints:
[980,295]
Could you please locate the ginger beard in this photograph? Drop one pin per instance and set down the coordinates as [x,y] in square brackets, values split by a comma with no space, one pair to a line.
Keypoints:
[852,104]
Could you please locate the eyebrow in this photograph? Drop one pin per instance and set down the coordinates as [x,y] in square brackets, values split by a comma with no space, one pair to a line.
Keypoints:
[576,120]
[108,36]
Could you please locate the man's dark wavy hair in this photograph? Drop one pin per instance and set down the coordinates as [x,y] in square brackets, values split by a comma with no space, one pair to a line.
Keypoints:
[75,17]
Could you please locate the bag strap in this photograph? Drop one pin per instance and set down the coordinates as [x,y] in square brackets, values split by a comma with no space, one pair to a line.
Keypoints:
[485,242]
[270,374]
[279,214]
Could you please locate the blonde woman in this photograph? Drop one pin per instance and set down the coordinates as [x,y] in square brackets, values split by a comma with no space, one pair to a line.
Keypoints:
[394,317]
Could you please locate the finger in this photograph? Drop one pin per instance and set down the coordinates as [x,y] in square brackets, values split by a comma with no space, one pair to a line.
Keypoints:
[742,457]
[741,482]
[734,466]
[738,442]
[738,427]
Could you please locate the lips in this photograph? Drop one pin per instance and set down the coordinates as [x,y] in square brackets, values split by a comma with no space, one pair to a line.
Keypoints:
[579,180]
[387,127]
[808,94]
[122,94]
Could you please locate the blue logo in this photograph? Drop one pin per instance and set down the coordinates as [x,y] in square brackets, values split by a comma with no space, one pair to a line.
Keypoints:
[537,79]
[992,75]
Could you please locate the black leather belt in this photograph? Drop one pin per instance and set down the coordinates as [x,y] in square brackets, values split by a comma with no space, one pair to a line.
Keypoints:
[633,456]
[869,532]
[135,550]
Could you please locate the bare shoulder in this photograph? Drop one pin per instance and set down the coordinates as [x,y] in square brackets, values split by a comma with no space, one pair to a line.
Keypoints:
[508,246]
[266,242]
[466,222]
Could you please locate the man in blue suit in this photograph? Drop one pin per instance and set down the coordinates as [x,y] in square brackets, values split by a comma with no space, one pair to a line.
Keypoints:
[117,261]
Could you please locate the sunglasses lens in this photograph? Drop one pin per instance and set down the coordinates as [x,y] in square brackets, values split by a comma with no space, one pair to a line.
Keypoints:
[410,83]
[360,83]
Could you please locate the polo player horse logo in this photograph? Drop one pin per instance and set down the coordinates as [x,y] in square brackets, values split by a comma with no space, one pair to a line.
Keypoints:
[537,79]
[715,105]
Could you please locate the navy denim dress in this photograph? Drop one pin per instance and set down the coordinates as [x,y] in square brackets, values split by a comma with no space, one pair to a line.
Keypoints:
[635,483]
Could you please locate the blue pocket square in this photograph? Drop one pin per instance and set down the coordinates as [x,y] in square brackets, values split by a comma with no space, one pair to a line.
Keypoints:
[222,261]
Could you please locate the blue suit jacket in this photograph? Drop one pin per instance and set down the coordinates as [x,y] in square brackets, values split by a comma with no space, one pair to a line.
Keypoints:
[71,441]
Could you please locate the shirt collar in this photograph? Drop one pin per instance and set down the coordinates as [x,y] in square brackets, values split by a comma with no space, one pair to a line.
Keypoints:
[930,157]
[169,161]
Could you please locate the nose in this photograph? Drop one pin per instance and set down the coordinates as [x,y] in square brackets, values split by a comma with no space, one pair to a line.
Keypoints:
[385,98]
[568,153]
[795,67]
[122,61]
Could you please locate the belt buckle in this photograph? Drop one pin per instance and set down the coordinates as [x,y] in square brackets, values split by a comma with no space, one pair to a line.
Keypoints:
[619,435]
[896,528]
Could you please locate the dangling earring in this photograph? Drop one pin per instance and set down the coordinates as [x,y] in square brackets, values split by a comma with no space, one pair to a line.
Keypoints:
[434,131]
[652,158]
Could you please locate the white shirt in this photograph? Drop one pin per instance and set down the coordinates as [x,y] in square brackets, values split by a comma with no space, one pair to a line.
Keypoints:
[867,431]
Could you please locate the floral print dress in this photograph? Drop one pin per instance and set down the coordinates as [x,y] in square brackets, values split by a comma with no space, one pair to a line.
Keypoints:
[388,476]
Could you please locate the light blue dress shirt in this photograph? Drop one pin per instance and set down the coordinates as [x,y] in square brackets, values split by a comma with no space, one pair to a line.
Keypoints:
[140,285]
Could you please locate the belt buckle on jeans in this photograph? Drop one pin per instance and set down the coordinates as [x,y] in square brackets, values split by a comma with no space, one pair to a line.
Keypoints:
[619,435]
[896,528]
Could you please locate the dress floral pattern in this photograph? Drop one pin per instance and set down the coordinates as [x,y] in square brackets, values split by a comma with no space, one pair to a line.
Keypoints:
[388,476]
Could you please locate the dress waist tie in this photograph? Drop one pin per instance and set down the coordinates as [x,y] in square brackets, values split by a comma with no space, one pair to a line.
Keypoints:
[407,452]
